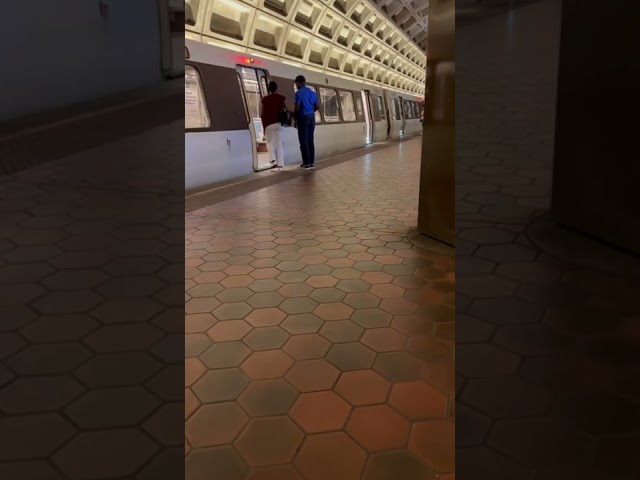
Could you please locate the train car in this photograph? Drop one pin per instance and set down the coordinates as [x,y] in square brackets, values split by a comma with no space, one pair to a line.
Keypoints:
[224,136]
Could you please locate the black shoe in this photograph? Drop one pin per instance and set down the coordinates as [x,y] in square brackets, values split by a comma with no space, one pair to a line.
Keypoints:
[303,166]
[312,167]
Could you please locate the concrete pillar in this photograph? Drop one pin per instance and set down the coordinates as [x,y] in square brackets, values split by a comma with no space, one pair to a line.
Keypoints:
[436,204]
[596,167]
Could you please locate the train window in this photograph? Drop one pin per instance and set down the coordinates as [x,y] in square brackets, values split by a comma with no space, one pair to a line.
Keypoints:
[347,105]
[380,103]
[311,87]
[414,105]
[196,114]
[329,100]
[359,108]
[407,113]
[397,113]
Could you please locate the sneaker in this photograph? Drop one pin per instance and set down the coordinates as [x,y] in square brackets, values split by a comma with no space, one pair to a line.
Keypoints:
[308,167]
[312,167]
[303,166]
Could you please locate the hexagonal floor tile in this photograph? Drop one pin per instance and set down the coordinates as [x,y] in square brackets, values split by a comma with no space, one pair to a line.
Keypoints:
[268,397]
[302,323]
[232,311]
[307,347]
[397,465]
[266,338]
[266,317]
[418,400]
[371,318]
[333,311]
[342,331]
[229,330]
[346,457]
[216,424]
[384,339]
[225,461]
[363,387]
[312,375]
[220,385]
[399,366]
[379,427]
[269,441]
[267,364]
[432,441]
[351,356]
[225,355]
[282,472]
[320,412]
[298,305]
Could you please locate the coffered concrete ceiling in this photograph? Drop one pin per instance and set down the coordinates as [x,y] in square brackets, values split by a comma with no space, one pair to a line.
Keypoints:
[411,16]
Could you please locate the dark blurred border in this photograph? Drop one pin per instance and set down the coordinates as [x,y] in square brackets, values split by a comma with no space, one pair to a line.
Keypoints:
[92,242]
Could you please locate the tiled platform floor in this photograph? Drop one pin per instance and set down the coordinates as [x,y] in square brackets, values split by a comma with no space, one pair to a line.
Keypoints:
[547,348]
[319,339]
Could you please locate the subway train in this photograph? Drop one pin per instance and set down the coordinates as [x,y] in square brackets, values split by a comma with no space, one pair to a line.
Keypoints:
[224,136]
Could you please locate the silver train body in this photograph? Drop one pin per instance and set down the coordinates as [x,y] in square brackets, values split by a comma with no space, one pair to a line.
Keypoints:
[224,137]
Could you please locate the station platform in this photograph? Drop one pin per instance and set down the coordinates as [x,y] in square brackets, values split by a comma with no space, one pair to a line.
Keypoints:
[319,338]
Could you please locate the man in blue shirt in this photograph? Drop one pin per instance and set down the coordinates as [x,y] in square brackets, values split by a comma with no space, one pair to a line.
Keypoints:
[306,104]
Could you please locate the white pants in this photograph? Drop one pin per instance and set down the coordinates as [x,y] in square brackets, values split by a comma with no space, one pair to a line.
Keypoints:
[275,142]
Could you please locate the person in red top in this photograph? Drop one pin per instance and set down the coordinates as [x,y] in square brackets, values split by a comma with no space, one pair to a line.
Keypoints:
[272,105]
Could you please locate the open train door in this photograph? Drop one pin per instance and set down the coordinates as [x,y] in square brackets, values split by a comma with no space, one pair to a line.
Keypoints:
[403,116]
[254,84]
[368,116]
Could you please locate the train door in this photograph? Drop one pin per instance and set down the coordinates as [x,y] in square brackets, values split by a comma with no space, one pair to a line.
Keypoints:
[368,117]
[387,108]
[402,116]
[254,84]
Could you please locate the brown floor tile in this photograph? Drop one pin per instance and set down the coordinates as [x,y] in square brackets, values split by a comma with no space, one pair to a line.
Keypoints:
[302,323]
[265,317]
[312,375]
[384,339]
[293,290]
[275,473]
[333,311]
[398,465]
[431,442]
[268,398]
[220,385]
[330,455]
[350,356]
[225,461]
[229,330]
[216,424]
[363,387]
[320,412]
[198,323]
[306,347]
[225,355]
[342,331]
[399,366]
[267,364]
[371,318]
[193,370]
[191,402]
[378,428]
[266,338]
[269,441]
[418,400]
